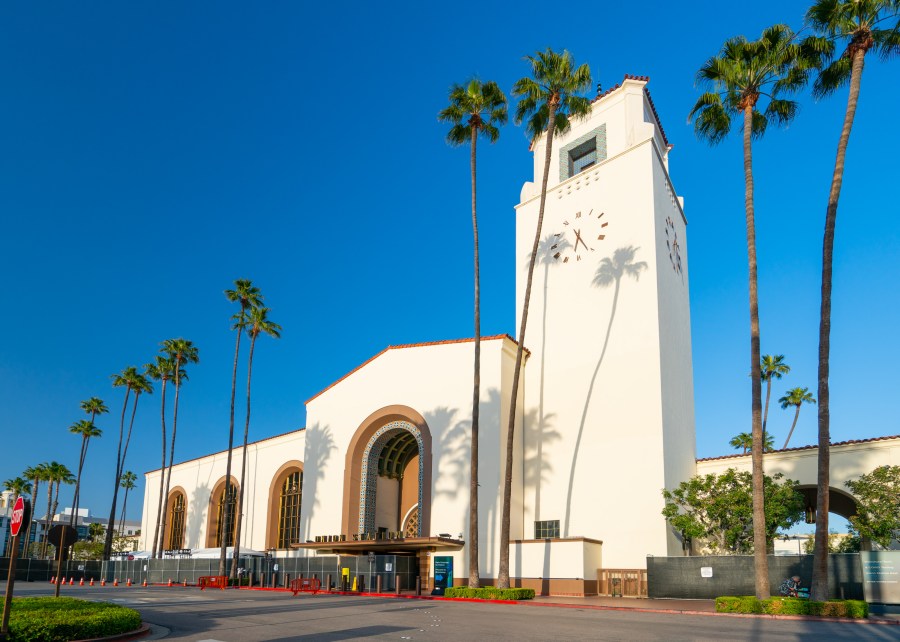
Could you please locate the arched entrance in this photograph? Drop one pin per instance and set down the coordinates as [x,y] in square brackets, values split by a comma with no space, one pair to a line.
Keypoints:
[391,478]
[387,477]
[840,502]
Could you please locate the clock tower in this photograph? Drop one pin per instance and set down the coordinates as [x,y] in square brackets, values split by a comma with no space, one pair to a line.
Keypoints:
[608,388]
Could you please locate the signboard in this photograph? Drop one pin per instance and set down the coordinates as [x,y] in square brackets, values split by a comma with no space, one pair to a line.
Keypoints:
[21,515]
[388,567]
[443,574]
[881,576]
[706,571]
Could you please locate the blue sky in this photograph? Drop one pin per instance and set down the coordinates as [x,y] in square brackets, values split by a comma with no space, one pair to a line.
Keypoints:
[151,153]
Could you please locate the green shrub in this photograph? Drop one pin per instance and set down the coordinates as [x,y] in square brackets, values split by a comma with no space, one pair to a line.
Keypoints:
[792,606]
[47,619]
[243,581]
[490,593]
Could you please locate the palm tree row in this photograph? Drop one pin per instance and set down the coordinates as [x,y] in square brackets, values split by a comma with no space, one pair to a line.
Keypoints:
[745,77]
[548,100]
[252,318]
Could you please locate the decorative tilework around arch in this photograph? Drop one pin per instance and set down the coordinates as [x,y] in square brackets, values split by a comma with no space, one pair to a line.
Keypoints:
[370,471]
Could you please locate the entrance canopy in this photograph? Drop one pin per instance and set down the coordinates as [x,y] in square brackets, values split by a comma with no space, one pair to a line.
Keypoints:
[385,546]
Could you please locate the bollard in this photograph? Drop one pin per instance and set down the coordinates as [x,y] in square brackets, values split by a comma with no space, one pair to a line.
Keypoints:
[328,582]
[418,585]
[397,581]
[272,580]
[362,583]
[378,584]
[287,579]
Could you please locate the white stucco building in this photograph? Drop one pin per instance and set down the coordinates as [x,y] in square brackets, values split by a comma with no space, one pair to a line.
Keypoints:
[604,419]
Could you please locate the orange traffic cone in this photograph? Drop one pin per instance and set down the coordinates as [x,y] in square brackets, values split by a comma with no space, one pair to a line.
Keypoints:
[144,584]
[103,582]
[81,583]
[92,581]
[116,581]
[71,581]
[170,581]
[128,582]
[185,581]
[53,580]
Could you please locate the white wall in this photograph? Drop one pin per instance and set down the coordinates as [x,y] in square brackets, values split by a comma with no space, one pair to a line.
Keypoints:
[199,476]
[436,381]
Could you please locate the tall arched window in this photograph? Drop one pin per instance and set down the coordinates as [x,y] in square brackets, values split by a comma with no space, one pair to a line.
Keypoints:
[176,521]
[289,509]
[226,505]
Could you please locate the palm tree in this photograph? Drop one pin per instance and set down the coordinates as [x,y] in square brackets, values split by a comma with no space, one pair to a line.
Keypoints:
[133,382]
[744,441]
[258,323]
[93,406]
[181,352]
[547,100]
[128,483]
[162,369]
[859,25]
[61,475]
[36,474]
[17,486]
[476,109]
[50,472]
[739,78]
[795,397]
[771,368]
[87,430]
[248,296]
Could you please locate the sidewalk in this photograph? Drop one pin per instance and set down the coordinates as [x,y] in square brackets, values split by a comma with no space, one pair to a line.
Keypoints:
[628,603]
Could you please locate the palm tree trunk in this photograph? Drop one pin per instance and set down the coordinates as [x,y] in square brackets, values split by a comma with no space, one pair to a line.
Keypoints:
[47,521]
[227,518]
[819,585]
[81,457]
[122,516]
[503,571]
[791,432]
[240,501]
[162,531]
[157,550]
[760,561]
[474,576]
[33,527]
[107,548]
[766,410]
[107,541]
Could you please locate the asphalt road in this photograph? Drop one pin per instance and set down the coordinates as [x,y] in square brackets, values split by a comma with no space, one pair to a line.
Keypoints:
[249,616]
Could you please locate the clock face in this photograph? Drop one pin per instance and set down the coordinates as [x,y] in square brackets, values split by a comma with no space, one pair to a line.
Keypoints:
[673,245]
[581,234]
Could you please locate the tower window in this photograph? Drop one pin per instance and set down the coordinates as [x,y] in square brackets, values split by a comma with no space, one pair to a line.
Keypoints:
[582,157]
[582,153]
[548,529]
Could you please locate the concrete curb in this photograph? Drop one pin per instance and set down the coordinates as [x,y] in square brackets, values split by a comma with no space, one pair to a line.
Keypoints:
[131,635]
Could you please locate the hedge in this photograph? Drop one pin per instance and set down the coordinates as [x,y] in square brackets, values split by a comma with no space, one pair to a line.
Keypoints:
[490,593]
[48,619]
[856,609]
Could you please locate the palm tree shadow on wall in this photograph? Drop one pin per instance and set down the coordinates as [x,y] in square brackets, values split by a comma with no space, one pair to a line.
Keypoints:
[319,447]
[197,507]
[609,273]
[548,247]
[451,451]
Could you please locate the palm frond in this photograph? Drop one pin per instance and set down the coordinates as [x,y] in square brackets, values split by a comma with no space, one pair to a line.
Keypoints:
[758,124]
[711,120]
[887,41]
[781,112]
[832,77]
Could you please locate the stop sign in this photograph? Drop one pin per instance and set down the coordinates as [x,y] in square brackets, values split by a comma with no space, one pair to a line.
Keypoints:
[19,516]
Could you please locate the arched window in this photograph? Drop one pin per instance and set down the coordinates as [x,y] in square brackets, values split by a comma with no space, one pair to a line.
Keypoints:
[226,505]
[289,504]
[176,521]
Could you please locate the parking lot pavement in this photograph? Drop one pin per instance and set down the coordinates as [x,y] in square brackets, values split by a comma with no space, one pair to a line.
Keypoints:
[249,616]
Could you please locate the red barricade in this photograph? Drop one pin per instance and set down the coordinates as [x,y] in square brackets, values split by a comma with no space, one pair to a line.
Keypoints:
[306,585]
[213,581]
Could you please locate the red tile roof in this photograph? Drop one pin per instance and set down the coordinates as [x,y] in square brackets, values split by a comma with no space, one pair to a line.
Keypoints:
[787,450]
[492,337]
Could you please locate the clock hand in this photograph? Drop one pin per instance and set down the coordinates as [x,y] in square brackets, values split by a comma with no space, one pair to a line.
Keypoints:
[578,239]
